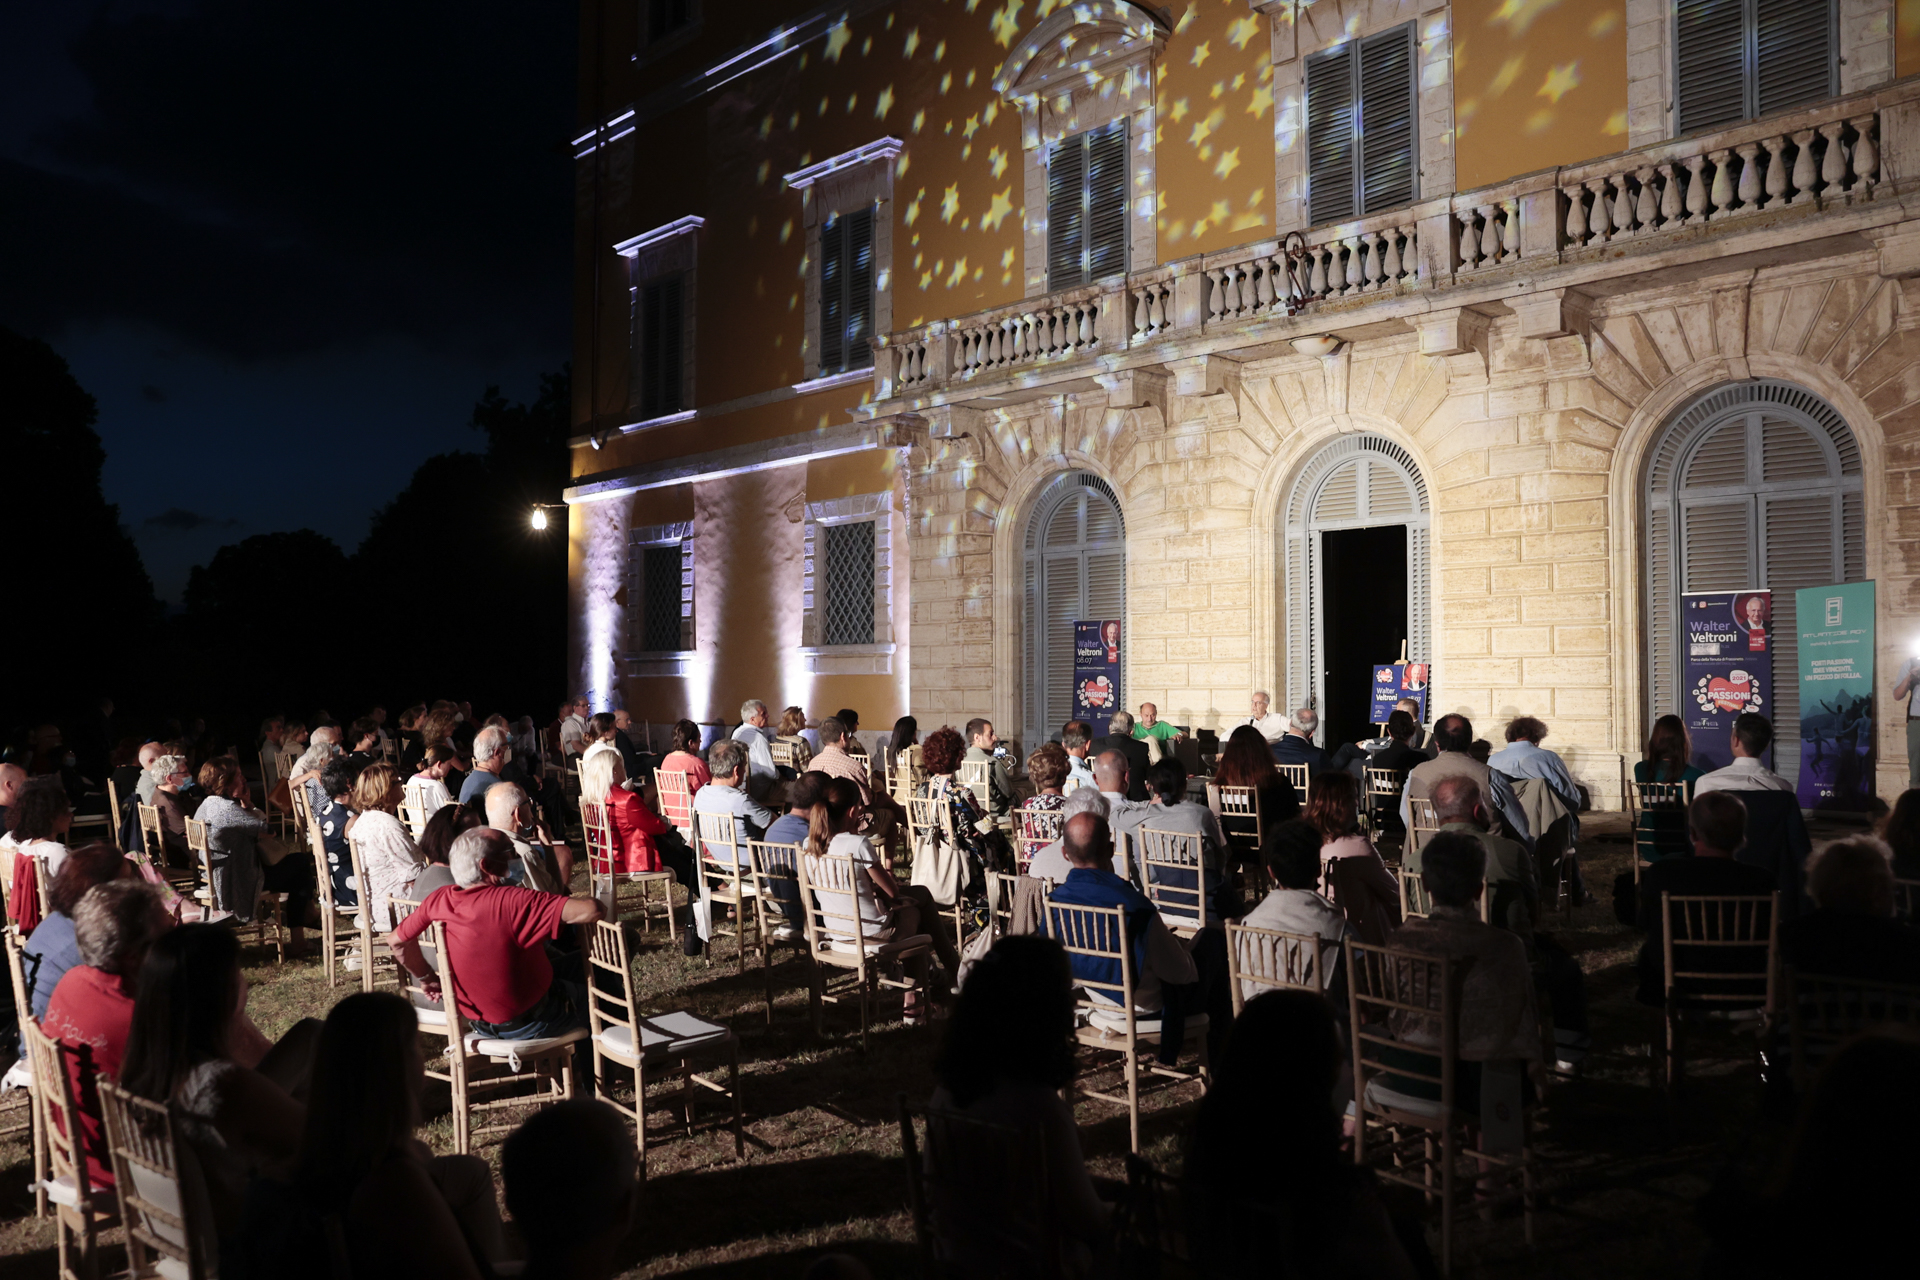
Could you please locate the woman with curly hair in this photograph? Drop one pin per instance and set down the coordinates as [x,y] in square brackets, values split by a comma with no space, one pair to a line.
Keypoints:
[1047,770]
[959,871]
[793,723]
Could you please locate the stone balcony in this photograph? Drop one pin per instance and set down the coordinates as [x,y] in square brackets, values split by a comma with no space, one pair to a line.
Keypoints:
[1828,178]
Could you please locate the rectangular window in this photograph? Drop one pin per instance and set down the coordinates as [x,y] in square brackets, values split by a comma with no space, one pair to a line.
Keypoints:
[846,292]
[664,17]
[1362,102]
[660,598]
[1087,206]
[849,591]
[1737,59]
[659,329]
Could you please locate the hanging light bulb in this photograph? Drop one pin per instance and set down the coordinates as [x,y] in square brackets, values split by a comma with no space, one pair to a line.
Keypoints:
[539,517]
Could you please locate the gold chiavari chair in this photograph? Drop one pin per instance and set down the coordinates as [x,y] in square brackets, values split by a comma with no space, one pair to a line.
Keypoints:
[1033,830]
[1721,955]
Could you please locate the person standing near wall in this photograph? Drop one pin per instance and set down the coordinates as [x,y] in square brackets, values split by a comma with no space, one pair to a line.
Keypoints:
[1909,677]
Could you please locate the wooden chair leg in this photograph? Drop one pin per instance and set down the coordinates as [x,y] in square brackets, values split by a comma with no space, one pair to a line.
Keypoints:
[1133,1099]
[733,1088]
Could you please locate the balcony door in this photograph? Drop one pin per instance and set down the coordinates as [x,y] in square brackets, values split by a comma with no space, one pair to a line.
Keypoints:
[1076,570]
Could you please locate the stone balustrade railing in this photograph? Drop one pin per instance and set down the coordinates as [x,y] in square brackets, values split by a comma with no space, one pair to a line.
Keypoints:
[1819,157]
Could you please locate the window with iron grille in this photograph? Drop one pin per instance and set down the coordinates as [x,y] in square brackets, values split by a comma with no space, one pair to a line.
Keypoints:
[659,324]
[1362,101]
[1737,59]
[660,589]
[1087,206]
[660,605]
[846,292]
[848,616]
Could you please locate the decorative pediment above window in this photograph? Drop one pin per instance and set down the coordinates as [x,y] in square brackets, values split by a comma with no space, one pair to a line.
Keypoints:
[1081,46]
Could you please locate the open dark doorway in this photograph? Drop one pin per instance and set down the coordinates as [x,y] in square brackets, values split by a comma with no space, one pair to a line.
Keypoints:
[1363,599]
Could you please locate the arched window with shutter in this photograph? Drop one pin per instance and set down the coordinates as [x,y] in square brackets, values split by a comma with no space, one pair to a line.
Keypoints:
[1075,570]
[1752,485]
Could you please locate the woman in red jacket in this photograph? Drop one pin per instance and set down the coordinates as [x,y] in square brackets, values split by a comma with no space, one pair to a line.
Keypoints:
[636,829]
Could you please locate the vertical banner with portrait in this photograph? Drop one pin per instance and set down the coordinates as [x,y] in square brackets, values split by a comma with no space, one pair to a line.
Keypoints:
[1726,647]
[1836,696]
[1096,671]
[1393,681]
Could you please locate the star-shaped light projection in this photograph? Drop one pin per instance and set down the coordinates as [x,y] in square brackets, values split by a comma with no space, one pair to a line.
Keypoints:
[1560,81]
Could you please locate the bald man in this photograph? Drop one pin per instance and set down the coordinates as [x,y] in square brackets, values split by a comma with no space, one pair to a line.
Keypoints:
[1110,774]
[548,863]
[12,778]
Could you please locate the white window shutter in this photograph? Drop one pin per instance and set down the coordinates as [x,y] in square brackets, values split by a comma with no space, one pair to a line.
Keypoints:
[1388,108]
[1107,201]
[1331,114]
[1066,212]
[1793,53]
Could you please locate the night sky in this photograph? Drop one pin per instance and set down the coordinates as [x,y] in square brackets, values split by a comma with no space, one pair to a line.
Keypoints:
[285,246]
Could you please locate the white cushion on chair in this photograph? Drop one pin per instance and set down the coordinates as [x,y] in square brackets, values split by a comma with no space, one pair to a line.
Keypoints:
[60,1191]
[19,1076]
[517,1051]
[1378,1095]
[666,1035]
[430,1013]
[174,1269]
[1114,1022]
[878,947]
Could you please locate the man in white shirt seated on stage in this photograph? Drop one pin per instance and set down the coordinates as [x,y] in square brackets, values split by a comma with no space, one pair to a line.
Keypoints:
[1271,724]
[1752,735]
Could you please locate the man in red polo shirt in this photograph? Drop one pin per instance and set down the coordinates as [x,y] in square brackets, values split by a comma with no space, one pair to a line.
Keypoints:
[505,982]
[92,1009]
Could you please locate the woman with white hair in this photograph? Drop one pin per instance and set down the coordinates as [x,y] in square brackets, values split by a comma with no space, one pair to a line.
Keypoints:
[388,854]
[169,774]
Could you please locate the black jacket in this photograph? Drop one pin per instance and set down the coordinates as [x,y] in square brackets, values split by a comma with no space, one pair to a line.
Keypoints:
[1135,750]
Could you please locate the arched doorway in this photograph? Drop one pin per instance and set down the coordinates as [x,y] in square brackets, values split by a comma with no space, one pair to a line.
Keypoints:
[1752,485]
[1076,569]
[1358,576]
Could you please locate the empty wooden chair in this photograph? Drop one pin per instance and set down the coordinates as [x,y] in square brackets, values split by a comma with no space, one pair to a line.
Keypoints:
[727,876]
[979,1197]
[1272,959]
[163,1203]
[848,966]
[651,1046]
[153,850]
[81,1209]
[20,1109]
[596,833]
[1425,824]
[1110,1023]
[908,774]
[1824,1012]
[1033,830]
[1173,872]
[777,903]
[1410,1127]
[674,791]
[484,1074]
[1721,954]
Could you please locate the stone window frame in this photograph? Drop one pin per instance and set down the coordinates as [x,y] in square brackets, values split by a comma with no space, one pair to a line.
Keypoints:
[670,249]
[1866,60]
[1111,80]
[663,662]
[841,184]
[882,511]
[1297,31]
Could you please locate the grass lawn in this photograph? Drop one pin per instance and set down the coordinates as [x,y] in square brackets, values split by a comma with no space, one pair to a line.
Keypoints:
[1620,1170]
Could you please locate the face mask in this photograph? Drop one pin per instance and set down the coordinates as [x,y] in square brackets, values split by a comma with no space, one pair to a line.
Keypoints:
[506,755]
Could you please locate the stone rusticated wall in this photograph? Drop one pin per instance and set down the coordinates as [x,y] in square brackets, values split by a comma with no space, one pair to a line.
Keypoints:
[1533,451]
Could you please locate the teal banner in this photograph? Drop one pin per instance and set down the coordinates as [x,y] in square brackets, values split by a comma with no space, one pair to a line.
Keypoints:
[1836,696]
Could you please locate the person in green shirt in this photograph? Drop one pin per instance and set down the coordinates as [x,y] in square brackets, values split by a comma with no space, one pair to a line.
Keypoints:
[1151,726]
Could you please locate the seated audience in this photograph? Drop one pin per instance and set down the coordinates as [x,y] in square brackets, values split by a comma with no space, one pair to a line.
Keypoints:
[543,862]
[727,792]
[684,757]
[38,822]
[1161,961]
[139,785]
[1076,739]
[1292,854]
[332,819]
[1453,735]
[496,936]
[1717,825]
[1354,875]
[234,828]
[1047,770]
[574,1226]
[54,947]
[170,777]
[885,814]
[1124,815]
[906,737]
[436,846]
[1459,806]
[192,1047]
[1402,754]
[1296,745]
[631,755]
[1247,761]
[793,724]
[1752,735]
[435,730]
[982,742]
[1172,811]
[1049,862]
[490,755]
[387,852]
[1852,933]
[427,788]
[1006,1056]
[642,840]
[364,742]
[397,1208]
[574,730]
[1266,1162]
[305,772]
[1524,757]
[1662,833]
[602,729]
[1498,1017]
[92,1007]
[792,828]
[886,908]
[1901,831]
[1120,739]
[757,739]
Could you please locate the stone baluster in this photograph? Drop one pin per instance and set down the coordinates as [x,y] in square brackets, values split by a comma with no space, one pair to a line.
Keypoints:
[1804,171]
[1491,250]
[1749,187]
[1510,229]
[1469,240]
[1576,215]
[1698,206]
[1229,293]
[1317,278]
[1409,252]
[1263,291]
[1776,173]
[1369,263]
[1391,268]
[1647,208]
[1354,279]
[1216,293]
[1598,218]
[1721,192]
[1087,315]
[1866,157]
[1670,205]
[1833,165]
[1622,206]
[1157,307]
